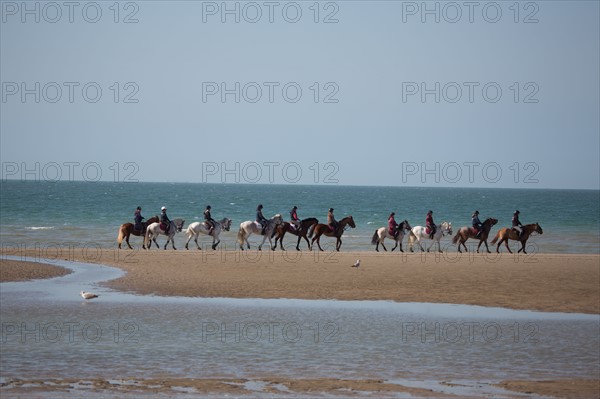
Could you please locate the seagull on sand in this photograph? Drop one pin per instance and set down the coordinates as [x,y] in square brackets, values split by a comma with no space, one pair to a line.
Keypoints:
[357,263]
[87,295]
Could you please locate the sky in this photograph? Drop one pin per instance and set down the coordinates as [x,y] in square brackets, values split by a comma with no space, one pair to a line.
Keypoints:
[394,93]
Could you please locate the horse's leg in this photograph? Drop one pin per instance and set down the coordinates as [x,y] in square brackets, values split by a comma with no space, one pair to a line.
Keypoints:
[384,248]
[439,246]
[338,244]
[486,246]
[480,242]
[263,241]
[307,242]
[506,243]
[216,242]
[522,247]
[318,238]
[395,246]
[127,241]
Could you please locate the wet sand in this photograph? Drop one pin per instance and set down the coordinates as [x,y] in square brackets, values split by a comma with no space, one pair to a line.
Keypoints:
[284,387]
[570,389]
[24,271]
[559,283]
[544,282]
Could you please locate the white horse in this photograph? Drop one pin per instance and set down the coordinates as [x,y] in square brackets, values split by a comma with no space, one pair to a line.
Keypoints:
[154,231]
[249,227]
[419,232]
[384,232]
[196,228]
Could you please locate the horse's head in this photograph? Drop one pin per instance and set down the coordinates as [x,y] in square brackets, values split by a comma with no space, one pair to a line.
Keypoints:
[446,228]
[491,221]
[406,225]
[179,224]
[351,222]
[277,219]
[538,229]
[226,224]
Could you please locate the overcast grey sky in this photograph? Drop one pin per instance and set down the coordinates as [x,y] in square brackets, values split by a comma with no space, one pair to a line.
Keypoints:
[469,94]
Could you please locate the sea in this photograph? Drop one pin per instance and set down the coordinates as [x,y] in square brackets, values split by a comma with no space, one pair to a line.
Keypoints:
[42,213]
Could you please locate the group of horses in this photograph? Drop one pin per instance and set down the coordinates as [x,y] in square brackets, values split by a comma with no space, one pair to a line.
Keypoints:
[311,231]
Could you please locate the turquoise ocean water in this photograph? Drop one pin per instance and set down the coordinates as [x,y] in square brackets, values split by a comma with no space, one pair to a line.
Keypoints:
[84,213]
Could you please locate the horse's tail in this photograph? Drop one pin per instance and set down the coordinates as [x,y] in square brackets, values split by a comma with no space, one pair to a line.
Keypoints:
[121,235]
[455,238]
[147,239]
[311,230]
[411,238]
[240,236]
[496,237]
[375,238]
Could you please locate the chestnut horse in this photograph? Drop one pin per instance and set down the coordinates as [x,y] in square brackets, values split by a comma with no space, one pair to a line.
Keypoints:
[127,229]
[508,233]
[324,229]
[285,227]
[466,232]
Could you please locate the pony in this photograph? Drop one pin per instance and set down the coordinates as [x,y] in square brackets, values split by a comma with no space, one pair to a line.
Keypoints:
[127,229]
[384,232]
[507,233]
[196,228]
[419,232]
[154,231]
[301,232]
[251,227]
[324,229]
[466,232]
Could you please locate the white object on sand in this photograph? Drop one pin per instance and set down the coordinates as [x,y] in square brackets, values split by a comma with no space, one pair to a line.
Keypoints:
[357,263]
[87,295]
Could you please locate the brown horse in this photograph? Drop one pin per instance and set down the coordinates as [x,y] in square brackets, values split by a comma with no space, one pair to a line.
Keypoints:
[127,229]
[285,227]
[466,232]
[324,229]
[508,233]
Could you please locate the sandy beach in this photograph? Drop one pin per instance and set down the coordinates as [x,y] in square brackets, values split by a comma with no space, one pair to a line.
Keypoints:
[545,282]
[24,271]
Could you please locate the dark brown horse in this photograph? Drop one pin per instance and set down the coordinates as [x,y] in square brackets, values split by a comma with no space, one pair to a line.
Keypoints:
[466,232]
[285,227]
[127,229]
[324,229]
[508,233]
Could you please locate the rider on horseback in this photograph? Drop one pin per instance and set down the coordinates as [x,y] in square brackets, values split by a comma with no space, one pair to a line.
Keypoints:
[477,225]
[294,220]
[516,224]
[333,224]
[430,224]
[164,220]
[261,219]
[137,217]
[209,220]
[392,225]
